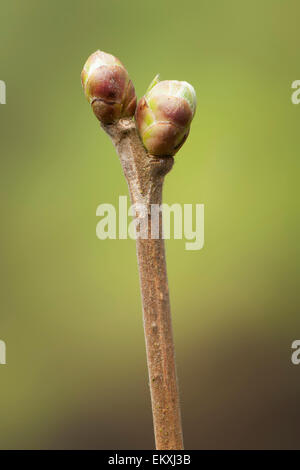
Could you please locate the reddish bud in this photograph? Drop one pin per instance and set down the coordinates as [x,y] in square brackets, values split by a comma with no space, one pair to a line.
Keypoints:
[164,116]
[108,88]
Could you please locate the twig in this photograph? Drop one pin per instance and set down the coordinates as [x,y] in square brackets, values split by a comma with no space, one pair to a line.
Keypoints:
[145,175]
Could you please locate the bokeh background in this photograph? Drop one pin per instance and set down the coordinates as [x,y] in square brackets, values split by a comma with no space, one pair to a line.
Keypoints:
[70,313]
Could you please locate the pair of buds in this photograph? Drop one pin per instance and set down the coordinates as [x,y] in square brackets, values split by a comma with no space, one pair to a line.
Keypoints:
[163,116]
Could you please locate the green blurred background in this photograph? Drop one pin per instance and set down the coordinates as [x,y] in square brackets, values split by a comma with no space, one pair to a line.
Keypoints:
[70,307]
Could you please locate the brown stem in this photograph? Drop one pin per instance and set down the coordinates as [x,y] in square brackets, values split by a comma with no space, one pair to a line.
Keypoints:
[145,176]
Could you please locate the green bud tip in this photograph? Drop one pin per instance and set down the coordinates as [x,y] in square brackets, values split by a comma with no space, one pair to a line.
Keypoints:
[107,86]
[164,116]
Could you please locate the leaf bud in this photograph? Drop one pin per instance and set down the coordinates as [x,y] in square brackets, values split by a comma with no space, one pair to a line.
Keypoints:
[164,116]
[108,88]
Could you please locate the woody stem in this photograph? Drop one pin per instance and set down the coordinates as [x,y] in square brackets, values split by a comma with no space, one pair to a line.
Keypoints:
[145,176]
